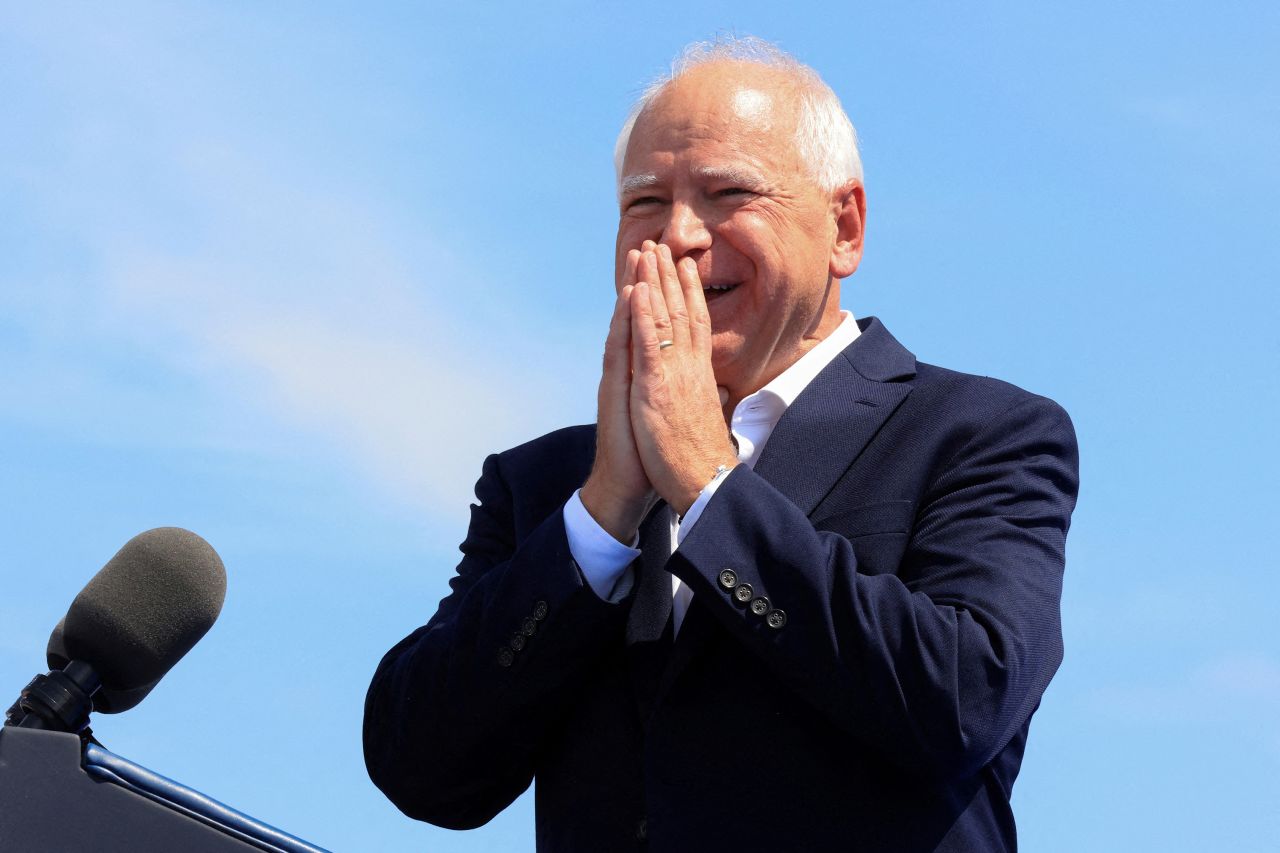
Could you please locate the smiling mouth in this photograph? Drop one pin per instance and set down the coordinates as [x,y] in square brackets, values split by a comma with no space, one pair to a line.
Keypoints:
[712,292]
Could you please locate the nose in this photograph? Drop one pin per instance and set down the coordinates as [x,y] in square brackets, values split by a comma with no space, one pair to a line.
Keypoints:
[685,231]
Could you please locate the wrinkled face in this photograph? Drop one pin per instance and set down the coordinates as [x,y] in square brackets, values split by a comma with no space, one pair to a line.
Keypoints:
[712,171]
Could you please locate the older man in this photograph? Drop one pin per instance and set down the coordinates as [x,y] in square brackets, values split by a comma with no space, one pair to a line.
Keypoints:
[825,627]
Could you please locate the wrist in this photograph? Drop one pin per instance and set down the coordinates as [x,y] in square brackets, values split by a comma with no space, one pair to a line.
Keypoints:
[696,488]
[619,517]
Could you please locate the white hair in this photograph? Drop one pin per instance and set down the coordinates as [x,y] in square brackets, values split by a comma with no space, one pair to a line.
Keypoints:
[825,137]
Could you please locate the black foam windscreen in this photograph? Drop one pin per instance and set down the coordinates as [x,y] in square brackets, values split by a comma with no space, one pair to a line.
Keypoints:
[107,700]
[143,611]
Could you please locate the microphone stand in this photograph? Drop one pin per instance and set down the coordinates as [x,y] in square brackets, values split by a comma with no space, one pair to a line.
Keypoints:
[57,702]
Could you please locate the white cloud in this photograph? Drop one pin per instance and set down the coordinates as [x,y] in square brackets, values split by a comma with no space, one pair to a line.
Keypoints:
[1241,677]
[220,255]
[1229,130]
[1239,690]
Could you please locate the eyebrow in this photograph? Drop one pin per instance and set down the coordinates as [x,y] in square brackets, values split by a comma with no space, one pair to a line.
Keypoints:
[729,174]
[634,183]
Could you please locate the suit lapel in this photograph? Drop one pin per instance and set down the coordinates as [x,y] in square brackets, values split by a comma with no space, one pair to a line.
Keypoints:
[695,630]
[819,436]
[648,632]
[844,407]
[656,658]
[836,416]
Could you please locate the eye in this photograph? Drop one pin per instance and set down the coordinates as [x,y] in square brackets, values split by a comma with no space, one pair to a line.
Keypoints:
[643,201]
[732,192]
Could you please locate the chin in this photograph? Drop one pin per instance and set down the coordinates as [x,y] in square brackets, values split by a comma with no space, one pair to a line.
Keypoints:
[727,369]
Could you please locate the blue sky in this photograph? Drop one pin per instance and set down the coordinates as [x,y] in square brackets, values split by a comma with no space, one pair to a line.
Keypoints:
[283,274]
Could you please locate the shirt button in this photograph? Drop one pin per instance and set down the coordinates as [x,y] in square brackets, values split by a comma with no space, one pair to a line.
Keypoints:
[517,641]
[528,626]
[505,656]
[776,619]
[728,579]
[642,830]
[540,611]
[742,593]
[760,606]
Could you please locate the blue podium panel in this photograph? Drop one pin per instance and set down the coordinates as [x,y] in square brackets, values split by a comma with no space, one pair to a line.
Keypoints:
[50,802]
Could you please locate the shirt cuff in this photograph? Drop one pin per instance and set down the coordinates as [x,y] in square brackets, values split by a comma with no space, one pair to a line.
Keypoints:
[605,562]
[695,512]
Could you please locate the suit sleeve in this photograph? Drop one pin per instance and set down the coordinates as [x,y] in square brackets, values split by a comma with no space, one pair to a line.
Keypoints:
[457,710]
[936,666]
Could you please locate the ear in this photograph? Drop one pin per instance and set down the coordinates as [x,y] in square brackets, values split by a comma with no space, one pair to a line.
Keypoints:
[849,206]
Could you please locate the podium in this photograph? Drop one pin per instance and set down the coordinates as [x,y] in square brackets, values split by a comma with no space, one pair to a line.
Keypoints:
[57,794]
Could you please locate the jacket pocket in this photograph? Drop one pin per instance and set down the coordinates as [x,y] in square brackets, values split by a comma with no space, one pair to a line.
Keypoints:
[870,519]
[878,532]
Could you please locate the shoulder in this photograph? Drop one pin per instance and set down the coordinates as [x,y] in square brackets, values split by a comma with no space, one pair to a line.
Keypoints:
[949,416]
[556,449]
[946,397]
[978,418]
[974,397]
[538,476]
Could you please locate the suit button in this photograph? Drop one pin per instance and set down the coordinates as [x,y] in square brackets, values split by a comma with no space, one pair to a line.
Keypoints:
[517,641]
[776,619]
[505,656]
[642,830]
[728,579]
[540,611]
[742,593]
[528,626]
[760,606]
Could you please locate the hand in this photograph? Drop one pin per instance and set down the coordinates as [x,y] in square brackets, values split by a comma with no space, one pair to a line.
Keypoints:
[617,494]
[676,413]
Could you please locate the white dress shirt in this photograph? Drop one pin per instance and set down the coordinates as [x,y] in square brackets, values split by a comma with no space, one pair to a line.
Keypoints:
[606,563]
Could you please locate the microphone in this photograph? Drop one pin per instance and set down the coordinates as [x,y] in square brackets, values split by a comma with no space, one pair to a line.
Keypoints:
[106,700]
[130,624]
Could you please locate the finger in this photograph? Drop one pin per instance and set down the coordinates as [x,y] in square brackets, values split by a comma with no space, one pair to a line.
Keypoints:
[620,321]
[617,346]
[629,265]
[695,305]
[674,298]
[646,358]
[657,304]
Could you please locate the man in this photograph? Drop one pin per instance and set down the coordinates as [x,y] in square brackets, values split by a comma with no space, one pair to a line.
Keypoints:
[824,628]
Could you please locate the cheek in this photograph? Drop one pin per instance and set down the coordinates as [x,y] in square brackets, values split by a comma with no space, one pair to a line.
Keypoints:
[749,241]
[624,240]
[631,235]
[765,239]
[627,240]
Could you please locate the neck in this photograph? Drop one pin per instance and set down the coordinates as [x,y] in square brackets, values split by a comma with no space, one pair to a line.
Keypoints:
[820,330]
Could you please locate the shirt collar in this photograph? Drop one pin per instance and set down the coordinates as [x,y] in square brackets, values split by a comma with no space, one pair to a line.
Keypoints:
[768,404]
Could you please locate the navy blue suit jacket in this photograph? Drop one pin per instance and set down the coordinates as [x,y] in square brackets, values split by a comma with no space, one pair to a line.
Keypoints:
[910,522]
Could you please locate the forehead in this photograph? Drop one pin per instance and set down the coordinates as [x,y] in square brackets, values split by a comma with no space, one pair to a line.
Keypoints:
[725,114]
